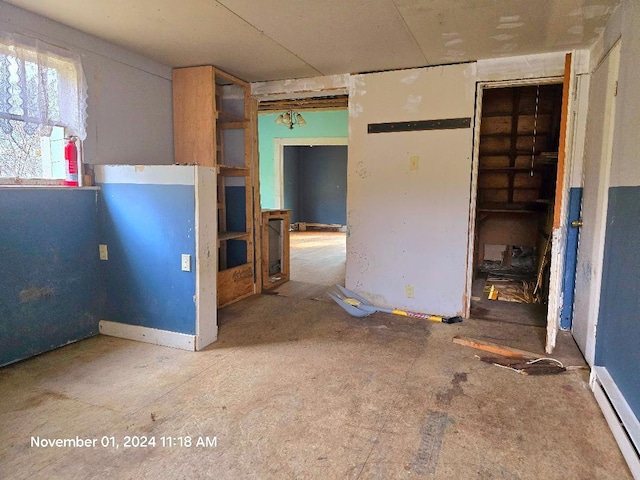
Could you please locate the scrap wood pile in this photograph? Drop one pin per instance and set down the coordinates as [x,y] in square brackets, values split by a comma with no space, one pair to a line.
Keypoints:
[520,361]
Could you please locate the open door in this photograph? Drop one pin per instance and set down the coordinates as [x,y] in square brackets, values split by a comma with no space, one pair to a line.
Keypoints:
[559,234]
[597,164]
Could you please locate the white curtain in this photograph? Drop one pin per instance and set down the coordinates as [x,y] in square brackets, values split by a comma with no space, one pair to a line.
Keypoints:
[41,85]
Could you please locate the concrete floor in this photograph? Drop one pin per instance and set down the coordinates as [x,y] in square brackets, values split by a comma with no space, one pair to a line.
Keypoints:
[295,388]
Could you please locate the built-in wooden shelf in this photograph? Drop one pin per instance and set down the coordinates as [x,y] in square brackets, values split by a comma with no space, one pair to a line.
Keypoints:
[231,171]
[224,236]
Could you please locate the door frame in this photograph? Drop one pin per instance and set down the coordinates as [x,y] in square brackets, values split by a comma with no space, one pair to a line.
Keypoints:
[278,157]
[557,260]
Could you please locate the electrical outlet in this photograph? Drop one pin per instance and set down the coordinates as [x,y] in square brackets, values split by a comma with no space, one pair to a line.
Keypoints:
[104,253]
[186,262]
[408,291]
[413,162]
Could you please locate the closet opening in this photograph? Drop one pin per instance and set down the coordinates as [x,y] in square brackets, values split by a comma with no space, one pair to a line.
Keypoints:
[516,186]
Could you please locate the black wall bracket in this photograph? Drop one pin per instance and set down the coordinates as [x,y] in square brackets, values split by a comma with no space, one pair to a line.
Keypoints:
[442,124]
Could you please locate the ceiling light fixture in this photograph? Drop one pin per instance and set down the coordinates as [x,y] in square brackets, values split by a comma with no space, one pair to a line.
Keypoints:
[291,118]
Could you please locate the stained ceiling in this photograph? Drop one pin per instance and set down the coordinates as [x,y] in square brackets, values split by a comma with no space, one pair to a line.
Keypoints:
[282,39]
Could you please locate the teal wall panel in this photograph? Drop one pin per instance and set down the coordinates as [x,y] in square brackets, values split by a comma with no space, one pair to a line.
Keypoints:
[320,124]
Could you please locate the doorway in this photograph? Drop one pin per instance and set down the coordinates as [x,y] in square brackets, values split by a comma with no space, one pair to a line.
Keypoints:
[314,189]
[519,138]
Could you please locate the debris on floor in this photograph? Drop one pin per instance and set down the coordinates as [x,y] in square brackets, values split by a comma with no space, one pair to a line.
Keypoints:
[358,306]
[509,290]
[494,348]
[520,361]
[539,366]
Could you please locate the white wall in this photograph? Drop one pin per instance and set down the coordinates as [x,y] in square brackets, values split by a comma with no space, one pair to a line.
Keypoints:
[625,23]
[410,227]
[129,106]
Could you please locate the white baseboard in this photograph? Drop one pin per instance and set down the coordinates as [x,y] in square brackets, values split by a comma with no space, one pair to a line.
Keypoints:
[621,419]
[165,338]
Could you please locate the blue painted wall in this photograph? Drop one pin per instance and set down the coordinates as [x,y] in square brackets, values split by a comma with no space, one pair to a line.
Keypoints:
[328,123]
[323,171]
[618,341]
[570,257]
[315,183]
[147,227]
[50,289]
[236,222]
[291,182]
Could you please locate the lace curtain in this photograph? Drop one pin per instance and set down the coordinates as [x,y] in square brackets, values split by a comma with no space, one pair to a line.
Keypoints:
[41,85]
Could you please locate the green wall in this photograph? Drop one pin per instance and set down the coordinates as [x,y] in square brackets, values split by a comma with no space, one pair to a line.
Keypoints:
[329,123]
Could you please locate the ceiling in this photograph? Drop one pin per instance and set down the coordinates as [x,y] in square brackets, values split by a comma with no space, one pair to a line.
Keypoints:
[259,40]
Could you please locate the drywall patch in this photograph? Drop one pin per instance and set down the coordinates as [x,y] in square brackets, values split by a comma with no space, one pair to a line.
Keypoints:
[32,294]
[355,109]
[591,11]
[361,170]
[506,48]
[413,102]
[454,55]
[503,37]
[409,79]
[451,39]
[510,22]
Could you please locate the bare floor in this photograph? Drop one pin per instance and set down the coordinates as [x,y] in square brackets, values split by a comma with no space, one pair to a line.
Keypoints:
[295,388]
[317,262]
[494,310]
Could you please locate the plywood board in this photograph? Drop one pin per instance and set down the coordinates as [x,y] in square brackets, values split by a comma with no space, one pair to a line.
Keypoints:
[234,284]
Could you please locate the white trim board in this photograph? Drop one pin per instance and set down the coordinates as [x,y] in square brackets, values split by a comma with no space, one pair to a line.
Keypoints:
[553,312]
[278,157]
[154,336]
[146,174]
[621,419]
[206,222]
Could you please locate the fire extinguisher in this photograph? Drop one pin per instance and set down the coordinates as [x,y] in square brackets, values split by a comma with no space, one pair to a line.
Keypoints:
[71,162]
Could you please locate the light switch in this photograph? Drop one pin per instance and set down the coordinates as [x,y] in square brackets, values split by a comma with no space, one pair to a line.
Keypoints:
[104,253]
[186,262]
[414,160]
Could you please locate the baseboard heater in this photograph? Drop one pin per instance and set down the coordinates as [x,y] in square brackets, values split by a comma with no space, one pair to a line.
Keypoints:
[621,419]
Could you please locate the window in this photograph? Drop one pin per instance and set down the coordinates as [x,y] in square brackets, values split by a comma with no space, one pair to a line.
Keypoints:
[42,101]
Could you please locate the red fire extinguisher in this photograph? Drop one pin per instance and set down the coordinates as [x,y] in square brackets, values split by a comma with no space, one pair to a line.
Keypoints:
[71,162]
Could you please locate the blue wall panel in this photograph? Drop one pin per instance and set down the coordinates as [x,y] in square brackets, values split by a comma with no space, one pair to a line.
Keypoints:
[50,290]
[147,228]
[570,257]
[324,180]
[236,222]
[291,182]
[315,183]
[618,337]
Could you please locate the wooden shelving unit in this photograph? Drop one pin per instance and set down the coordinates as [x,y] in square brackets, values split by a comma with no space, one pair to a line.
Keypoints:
[513,170]
[214,126]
